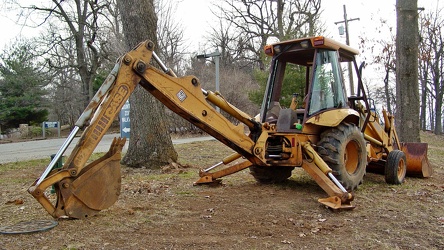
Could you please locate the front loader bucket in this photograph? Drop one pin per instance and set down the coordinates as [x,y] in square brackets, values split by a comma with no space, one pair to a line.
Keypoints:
[417,161]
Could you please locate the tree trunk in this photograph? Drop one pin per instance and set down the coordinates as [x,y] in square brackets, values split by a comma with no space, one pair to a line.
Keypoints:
[150,144]
[423,105]
[388,98]
[438,102]
[431,115]
[407,91]
[438,115]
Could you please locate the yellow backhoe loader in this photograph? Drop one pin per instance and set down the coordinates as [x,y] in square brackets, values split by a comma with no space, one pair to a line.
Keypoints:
[332,136]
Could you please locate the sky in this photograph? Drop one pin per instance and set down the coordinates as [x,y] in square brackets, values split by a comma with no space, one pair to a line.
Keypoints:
[196,18]
[198,24]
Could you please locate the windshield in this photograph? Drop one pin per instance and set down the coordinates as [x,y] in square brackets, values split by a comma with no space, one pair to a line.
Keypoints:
[327,89]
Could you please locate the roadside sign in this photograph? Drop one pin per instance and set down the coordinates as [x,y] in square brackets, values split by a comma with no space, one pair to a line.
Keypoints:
[51,124]
[124,117]
[46,125]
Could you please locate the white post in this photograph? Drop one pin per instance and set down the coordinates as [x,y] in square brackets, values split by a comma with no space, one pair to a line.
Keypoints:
[59,128]
[43,130]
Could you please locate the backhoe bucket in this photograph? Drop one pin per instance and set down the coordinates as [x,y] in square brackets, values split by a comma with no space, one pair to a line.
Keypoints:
[81,195]
[417,161]
[96,188]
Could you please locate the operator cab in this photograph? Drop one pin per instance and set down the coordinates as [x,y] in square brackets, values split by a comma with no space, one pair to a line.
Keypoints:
[305,81]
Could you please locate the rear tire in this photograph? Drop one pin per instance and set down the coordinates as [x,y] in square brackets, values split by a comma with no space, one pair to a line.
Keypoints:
[343,148]
[395,167]
[267,175]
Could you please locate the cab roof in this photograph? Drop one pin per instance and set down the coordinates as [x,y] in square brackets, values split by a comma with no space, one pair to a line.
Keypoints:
[301,50]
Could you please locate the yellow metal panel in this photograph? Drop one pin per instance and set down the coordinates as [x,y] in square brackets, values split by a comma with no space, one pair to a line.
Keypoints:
[332,118]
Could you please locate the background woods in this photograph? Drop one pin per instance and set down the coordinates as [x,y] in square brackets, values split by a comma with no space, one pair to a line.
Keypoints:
[80,40]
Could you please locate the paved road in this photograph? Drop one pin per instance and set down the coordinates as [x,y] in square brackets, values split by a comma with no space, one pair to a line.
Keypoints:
[21,151]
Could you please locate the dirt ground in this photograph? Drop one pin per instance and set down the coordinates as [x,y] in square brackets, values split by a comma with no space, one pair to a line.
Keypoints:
[162,209]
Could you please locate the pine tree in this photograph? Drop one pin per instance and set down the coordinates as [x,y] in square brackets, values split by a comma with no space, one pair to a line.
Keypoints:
[22,88]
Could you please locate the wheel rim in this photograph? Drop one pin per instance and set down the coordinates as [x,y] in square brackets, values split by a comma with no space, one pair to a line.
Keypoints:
[351,157]
[401,169]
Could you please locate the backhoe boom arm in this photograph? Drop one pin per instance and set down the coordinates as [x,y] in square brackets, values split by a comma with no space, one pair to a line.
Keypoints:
[183,95]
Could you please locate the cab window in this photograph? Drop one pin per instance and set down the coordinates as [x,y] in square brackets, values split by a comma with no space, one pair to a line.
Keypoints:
[327,89]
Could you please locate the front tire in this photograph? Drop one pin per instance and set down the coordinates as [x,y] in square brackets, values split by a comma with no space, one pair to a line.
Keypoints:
[343,148]
[395,167]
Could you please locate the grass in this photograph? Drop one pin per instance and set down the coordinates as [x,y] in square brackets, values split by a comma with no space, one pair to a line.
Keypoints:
[435,149]
[186,192]
[11,181]
[197,155]
[23,164]
[163,205]
[432,139]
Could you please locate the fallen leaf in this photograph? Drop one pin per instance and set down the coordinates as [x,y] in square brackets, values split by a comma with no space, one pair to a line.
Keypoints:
[15,202]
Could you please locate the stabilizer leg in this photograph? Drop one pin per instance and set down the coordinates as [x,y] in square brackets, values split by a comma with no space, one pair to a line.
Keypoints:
[207,178]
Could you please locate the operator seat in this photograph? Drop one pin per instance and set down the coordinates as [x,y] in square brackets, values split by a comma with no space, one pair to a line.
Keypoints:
[273,112]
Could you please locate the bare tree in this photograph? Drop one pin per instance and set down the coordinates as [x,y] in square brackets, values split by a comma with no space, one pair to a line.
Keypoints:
[235,84]
[431,66]
[387,58]
[77,43]
[233,46]
[81,19]
[170,35]
[65,92]
[256,21]
[383,56]
[424,78]
[150,144]
[407,89]
[171,50]
[66,86]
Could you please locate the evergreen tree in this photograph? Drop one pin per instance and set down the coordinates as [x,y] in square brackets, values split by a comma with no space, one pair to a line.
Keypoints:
[22,88]
[293,83]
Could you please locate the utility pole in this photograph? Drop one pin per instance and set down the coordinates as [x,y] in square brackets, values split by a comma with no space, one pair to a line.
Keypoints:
[216,56]
[347,41]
